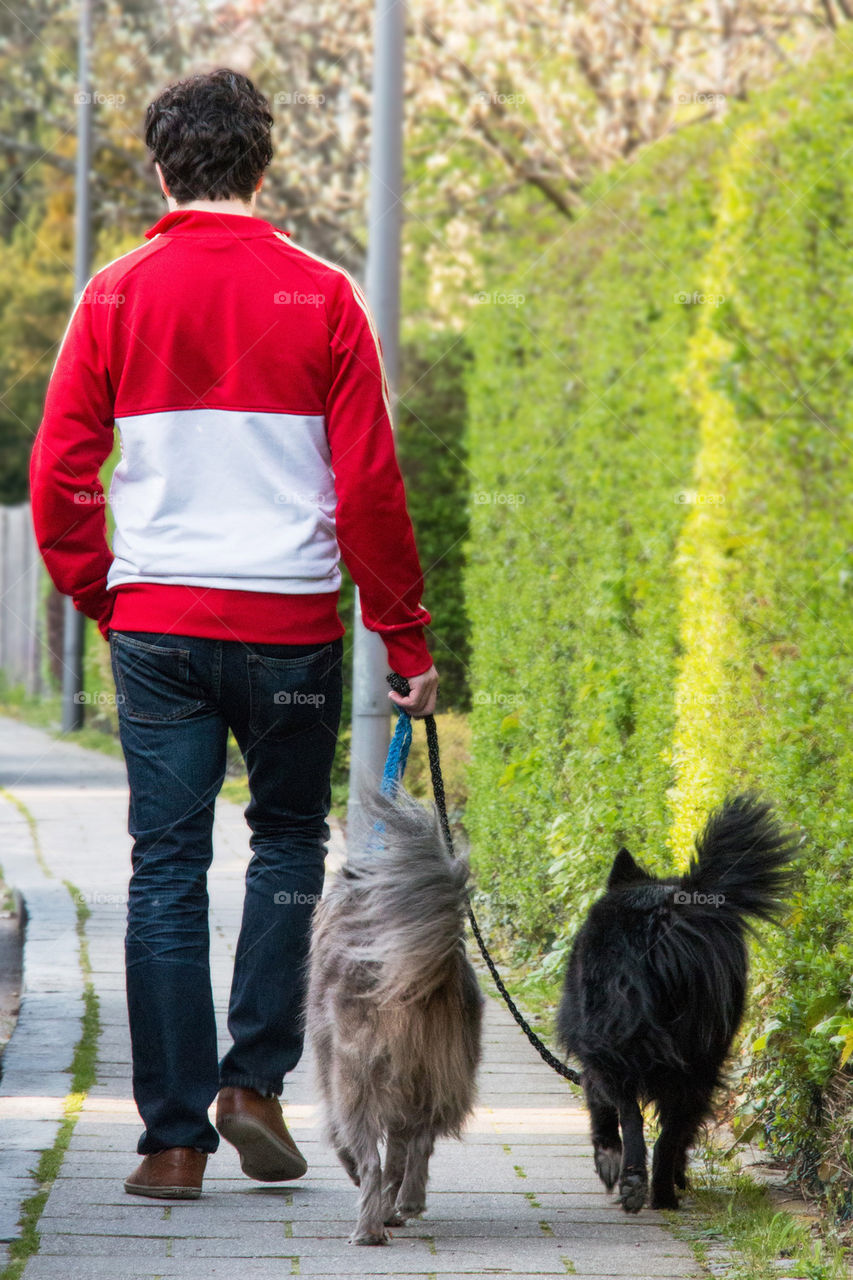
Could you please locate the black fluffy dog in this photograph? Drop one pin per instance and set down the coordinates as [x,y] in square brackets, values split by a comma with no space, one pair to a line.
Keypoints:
[654,992]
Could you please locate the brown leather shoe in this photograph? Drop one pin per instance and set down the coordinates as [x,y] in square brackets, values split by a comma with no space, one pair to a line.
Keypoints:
[255,1126]
[172,1174]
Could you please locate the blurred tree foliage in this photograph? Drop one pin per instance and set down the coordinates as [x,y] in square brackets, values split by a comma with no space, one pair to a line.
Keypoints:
[507,102]
[135,47]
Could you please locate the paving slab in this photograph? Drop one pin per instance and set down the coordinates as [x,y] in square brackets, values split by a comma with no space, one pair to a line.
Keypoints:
[516,1197]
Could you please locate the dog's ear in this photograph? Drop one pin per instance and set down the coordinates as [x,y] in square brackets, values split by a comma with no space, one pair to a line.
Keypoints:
[625,871]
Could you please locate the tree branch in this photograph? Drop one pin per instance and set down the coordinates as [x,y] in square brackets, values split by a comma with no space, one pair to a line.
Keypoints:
[10,143]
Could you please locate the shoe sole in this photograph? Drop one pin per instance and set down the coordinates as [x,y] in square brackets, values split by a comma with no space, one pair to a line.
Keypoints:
[262,1155]
[163,1193]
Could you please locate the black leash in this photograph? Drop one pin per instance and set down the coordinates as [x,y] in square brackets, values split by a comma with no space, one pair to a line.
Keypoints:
[400,685]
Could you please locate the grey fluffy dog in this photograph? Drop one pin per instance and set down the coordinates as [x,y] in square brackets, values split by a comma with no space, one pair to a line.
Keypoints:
[394,1011]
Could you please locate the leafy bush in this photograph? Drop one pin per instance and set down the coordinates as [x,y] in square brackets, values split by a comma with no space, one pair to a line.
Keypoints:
[581,444]
[454,737]
[432,450]
[781,364]
[659,572]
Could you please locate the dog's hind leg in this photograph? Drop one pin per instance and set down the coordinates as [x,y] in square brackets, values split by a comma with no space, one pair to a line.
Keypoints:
[606,1142]
[370,1228]
[679,1125]
[633,1179]
[411,1199]
[395,1168]
[346,1157]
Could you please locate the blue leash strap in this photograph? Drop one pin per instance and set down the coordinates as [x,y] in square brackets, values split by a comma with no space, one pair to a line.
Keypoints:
[398,754]
[395,763]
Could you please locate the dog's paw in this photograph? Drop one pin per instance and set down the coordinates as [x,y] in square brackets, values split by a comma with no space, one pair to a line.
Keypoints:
[632,1191]
[608,1161]
[395,1219]
[663,1198]
[369,1237]
[409,1210]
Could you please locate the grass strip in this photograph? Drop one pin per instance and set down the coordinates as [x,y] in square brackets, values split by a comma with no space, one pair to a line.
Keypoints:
[82,1070]
[732,1223]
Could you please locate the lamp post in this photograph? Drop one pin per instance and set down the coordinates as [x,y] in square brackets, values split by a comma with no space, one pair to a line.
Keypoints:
[370,706]
[73,630]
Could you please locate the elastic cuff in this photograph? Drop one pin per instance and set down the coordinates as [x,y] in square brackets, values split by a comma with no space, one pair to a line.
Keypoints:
[96,602]
[408,654]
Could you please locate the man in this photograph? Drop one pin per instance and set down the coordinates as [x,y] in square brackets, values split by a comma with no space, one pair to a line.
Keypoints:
[245,378]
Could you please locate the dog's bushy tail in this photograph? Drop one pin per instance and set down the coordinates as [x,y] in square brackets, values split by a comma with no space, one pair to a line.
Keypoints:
[743,859]
[402,898]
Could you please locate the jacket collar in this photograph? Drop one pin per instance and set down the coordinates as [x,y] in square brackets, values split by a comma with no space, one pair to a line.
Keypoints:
[203,222]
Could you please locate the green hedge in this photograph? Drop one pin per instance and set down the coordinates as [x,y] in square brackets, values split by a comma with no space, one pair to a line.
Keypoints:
[431,446]
[580,446]
[782,366]
[661,612]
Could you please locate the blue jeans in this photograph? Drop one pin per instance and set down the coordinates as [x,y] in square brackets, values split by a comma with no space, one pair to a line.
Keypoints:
[177,698]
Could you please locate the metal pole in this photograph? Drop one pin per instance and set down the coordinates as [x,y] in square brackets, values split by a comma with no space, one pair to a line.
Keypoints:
[74,629]
[370,706]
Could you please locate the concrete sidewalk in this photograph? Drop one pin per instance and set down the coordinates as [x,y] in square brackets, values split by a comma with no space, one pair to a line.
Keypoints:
[517,1197]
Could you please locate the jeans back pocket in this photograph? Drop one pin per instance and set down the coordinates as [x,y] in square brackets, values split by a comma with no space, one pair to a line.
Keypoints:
[152,680]
[289,695]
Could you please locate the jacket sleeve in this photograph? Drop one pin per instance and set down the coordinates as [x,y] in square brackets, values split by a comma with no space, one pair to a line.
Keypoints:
[373,527]
[74,440]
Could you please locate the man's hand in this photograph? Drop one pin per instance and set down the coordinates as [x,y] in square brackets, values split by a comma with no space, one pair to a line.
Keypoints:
[423,690]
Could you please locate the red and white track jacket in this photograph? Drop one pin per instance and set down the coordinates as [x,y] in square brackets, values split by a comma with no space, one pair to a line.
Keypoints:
[245,377]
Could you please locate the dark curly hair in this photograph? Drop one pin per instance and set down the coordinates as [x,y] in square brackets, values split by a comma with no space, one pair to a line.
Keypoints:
[210,135]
